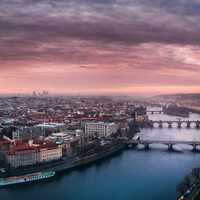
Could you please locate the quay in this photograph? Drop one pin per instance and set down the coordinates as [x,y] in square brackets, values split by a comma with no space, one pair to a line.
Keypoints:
[67,164]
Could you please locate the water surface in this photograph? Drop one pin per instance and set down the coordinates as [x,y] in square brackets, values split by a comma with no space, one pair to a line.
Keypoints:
[132,175]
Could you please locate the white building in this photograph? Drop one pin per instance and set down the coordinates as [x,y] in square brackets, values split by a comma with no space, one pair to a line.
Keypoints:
[101,129]
[50,127]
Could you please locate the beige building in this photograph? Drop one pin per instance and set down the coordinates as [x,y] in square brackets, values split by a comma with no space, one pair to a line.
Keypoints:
[49,154]
[25,155]
[22,157]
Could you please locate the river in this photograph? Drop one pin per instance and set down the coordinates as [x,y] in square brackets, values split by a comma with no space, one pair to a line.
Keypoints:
[133,174]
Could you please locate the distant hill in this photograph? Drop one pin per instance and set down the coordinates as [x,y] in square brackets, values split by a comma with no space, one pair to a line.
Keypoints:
[191,96]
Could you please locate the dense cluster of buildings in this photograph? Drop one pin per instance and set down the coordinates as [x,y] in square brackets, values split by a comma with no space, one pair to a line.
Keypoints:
[39,129]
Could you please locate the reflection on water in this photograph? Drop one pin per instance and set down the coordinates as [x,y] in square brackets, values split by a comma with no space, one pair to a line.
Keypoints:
[138,175]
[171,134]
[156,117]
[182,134]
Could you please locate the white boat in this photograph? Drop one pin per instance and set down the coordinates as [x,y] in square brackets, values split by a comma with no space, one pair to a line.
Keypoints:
[26,178]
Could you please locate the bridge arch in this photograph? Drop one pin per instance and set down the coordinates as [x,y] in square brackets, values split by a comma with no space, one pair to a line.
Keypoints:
[173,124]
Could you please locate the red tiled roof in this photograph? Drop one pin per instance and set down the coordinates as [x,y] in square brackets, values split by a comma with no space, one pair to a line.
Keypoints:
[20,147]
[3,141]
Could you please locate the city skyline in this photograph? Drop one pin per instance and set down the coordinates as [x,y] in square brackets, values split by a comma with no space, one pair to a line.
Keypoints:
[100,46]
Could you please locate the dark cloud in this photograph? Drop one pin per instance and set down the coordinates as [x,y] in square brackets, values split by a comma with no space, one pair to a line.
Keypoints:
[64,29]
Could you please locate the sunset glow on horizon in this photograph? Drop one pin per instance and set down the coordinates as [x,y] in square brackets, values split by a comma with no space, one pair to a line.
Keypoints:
[100,46]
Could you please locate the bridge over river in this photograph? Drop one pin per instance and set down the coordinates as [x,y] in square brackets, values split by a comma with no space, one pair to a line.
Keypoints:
[178,123]
[168,143]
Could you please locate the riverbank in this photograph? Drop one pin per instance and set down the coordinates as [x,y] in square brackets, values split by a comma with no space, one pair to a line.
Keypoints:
[121,177]
[68,163]
[189,187]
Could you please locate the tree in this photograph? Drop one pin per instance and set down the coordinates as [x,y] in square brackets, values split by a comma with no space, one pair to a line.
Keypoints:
[196,173]
[184,185]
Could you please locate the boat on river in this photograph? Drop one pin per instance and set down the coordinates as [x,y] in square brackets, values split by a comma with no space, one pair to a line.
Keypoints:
[26,178]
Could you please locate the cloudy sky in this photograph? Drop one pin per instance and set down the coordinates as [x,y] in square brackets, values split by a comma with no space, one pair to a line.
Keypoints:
[100,46]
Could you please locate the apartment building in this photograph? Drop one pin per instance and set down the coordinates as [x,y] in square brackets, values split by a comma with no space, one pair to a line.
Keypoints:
[100,129]
[22,154]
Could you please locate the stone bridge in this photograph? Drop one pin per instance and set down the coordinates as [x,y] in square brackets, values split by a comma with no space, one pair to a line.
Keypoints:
[178,123]
[169,143]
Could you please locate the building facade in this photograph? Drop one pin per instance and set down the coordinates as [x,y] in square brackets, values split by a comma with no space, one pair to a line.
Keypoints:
[49,154]
[22,157]
[25,155]
[100,129]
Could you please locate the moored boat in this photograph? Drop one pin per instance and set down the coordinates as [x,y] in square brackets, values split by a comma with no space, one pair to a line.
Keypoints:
[26,178]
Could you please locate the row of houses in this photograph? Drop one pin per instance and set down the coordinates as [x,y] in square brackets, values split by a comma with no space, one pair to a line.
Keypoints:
[19,154]
[100,129]
[26,132]
[24,154]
